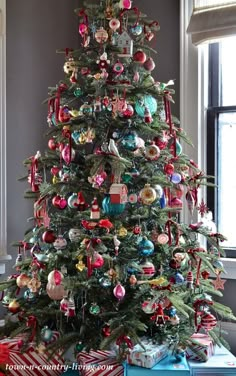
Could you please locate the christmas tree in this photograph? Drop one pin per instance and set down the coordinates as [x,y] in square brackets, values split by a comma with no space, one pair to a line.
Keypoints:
[107,259]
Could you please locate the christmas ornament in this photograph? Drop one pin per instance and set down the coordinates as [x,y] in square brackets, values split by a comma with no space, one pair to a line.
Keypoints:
[128,112]
[189,280]
[116,244]
[118,68]
[95,210]
[125,45]
[30,296]
[125,4]
[149,306]
[106,331]
[55,277]
[137,230]
[60,243]
[218,283]
[179,278]
[148,195]
[130,141]
[119,291]
[94,309]
[147,101]
[78,92]
[145,247]
[159,190]
[86,109]
[208,321]
[105,282]
[74,234]
[101,35]
[103,62]
[46,334]
[34,284]
[169,168]
[55,292]
[68,154]
[22,280]
[64,114]
[114,24]
[176,203]
[147,116]
[136,30]
[132,280]
[205,274]
[159,318]
[133,198]
[14,306]
[64,304]
[122,232]
[80,266]
[149,64]
[52,144]
[48,236]
[71,308]
[174,264]
[97,261]
[81,204]
[152,152]
[163,239]
[140,57]
[148,269]
[111,209]
[161,142]
[73,201]
[176,178]
[69,66]
[149,36]
[118,193]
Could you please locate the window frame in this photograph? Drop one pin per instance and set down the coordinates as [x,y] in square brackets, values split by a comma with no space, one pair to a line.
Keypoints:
[3,168]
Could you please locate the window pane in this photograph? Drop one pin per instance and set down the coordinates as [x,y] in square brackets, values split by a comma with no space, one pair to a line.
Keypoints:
[227,177]
[228,64]
[211,3]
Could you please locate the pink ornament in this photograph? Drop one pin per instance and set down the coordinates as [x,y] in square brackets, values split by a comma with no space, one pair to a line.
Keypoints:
[62,203]
[114,24]
[136,77]
[125,4]
[162,239]
[68,154]
[208,321]
[83,29]
[119,291]
[55,277]
[97,261]
[149,64]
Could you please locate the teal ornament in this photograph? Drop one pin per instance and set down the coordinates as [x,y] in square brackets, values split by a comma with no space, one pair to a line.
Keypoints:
[126,177]
[41,257]
[46,334]
[172,312]
[111,209]
[73,201]
[76,137]
[179,148]
[30,296]
[94,309]
[105,282]
[145,247]
[147,101]
[163,201]
[79,347]
[78,92]
[130,141]
[136,30]
[6,301]
[86,109]
[134,172]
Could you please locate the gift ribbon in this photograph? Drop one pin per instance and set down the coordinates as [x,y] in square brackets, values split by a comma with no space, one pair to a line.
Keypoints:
[32,323]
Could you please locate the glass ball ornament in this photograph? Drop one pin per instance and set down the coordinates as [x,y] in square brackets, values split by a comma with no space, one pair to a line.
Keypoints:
[55,292]
[118,68]
[119,291]
[149,307]
[78,92]
[176,178]
[94,309]
[145,247]
[48,236]
[74,234]
[111,209]
[152,152]
[140,57]
[179,278]
[68,154]
[148,195]
[46,334]
[14,306]
[30,296]
[136,30]
[149,64]
[22,280]
[208,321]
[125,4]
[114,24]
[147,270]
[64,114]
[60,243]
[147,101]
[128,112]
[73,201]
[105,282]
[172,311]
[130,141]
[86,109]
[101,35]
[55,277]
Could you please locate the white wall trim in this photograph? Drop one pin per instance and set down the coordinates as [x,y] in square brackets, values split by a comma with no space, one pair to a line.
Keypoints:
[3,188]
[193,103]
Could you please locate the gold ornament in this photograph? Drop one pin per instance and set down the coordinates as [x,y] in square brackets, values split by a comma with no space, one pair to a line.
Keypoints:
[34,284]
[148,195]
[123,232]
[22,280]
[14,306]
[80,266]
[55,179]
[74,113]
[155,282]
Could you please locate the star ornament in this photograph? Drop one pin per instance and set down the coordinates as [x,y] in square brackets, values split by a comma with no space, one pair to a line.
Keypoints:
[219,283]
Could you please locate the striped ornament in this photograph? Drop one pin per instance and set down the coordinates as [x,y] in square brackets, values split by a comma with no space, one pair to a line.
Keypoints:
[30,362]
[104,361]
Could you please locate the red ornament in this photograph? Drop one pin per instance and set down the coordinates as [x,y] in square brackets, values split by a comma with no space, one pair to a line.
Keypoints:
[174,264]
[64,114]
[176,203]
[149,64]
[205,274]
[128,112]
[55,170]
[52,144]
[48,236]
[149,36]
[97,261]
[169,169]
[161,142]
[56,201]
[85,71]
[140,57]
[106,331]
[137,230]
[208,321]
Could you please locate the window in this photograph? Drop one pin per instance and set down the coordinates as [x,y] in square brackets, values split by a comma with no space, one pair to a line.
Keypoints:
[3,216]
[221,137]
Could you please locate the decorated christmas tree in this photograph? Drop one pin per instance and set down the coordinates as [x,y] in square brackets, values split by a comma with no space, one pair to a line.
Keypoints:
[107,259]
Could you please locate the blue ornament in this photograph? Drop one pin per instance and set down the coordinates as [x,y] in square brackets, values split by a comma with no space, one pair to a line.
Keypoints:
[46,334]
[146,102]
[131,270]
[163,201]
[76,137]
[111,209]
[179,278]
[218,265]
[145,247]
[30,296]
[105,282]
[136,30]
[73,201]
[172,312]
[176,178]
[130,141]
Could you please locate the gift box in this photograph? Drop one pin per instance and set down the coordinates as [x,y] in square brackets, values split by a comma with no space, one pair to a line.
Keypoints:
[168,366]
[223,363]
[99,363]
[148,357]
[31,362]
[201,349]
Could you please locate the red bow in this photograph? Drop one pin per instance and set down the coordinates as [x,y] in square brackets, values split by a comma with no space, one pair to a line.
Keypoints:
[124,339]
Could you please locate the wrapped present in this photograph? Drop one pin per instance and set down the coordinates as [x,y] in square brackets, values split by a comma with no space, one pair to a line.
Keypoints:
[168,366]
[148,357]
[32,361]
[99,363]
[222,363]
[201,348]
